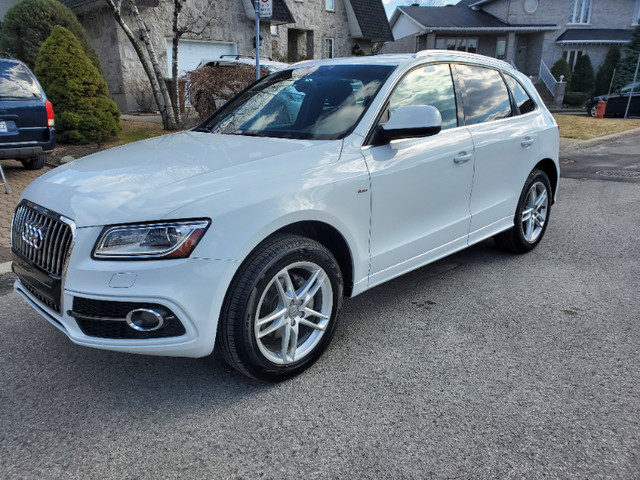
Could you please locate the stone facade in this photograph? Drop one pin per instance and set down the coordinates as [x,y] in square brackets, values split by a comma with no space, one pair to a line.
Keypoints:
[231,24]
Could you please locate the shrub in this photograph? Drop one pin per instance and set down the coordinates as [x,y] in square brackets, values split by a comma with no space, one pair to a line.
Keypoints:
[583,79]
[575,99]
[562,68]
[84,111]
[208,88]
[627,65]
[605,72]
[29,23]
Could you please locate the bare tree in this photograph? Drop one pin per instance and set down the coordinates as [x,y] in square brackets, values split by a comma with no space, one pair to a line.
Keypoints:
[178,32]
[142,45]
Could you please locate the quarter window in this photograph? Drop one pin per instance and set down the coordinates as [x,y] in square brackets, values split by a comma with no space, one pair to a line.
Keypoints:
[520,96]
[485,95]
[430,85]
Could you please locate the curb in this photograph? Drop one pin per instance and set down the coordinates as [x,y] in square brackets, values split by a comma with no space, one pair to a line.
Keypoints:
[580,145]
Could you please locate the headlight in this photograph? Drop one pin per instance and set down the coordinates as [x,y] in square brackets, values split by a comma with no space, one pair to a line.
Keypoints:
[150,240]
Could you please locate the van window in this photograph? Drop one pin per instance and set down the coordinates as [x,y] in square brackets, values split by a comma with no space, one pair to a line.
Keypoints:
[16,82]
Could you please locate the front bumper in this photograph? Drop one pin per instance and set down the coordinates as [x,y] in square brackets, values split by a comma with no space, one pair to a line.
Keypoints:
[193,289]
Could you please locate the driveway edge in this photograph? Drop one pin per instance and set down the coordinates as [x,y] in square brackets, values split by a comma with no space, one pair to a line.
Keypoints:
[580,145]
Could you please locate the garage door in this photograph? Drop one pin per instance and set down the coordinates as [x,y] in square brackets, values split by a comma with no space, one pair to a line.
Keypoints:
[192,52]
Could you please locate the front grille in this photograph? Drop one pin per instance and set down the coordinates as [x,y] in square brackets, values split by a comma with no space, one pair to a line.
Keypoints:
[52,305]
[106,319]
[41,237]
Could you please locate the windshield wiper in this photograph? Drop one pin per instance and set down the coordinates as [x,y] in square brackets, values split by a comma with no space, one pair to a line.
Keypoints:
[201,129]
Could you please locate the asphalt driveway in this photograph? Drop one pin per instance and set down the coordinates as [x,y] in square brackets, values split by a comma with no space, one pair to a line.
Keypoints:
[483,365]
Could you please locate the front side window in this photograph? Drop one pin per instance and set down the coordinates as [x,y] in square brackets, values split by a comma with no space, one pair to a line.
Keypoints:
[485,95]
[16,82]
[523,101]
[580,11]
[429,85]
[320,103]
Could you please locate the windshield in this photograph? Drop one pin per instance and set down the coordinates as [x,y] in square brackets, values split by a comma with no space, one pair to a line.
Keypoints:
[16,82]
[627,88]
[321,103]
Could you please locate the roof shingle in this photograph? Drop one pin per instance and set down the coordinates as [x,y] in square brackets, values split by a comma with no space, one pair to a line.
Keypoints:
[372,20]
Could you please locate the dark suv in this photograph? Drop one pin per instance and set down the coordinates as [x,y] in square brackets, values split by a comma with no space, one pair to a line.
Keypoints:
[26,116]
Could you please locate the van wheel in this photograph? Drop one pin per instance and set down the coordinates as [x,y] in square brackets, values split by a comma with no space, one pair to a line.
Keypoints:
[532,215]
[280,312]
[35,163]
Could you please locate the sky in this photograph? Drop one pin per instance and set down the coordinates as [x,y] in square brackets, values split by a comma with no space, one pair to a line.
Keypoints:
[390,5]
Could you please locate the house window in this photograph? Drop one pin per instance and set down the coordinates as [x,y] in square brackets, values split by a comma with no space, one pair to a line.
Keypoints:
[328,48]
[460,44]
[636,14]
[501,48]
[330,5]
[274,29]
[572,56]
[580,11]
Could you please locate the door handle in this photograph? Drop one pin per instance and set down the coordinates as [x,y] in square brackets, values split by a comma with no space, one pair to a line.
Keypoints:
[462,158]
[527,142]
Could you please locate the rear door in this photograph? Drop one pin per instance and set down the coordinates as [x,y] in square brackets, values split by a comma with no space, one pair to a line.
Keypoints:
[23,116]
[505,143]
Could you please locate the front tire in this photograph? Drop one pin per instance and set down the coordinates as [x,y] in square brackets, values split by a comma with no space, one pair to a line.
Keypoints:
[532,215]
[280,312]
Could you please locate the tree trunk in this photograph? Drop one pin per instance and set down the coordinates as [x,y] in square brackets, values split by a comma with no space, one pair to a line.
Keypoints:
[175,99]
[167,111]
[163,101]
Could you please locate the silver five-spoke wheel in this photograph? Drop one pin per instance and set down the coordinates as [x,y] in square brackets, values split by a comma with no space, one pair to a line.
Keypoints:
[280,311]
[293,313]
[534,214]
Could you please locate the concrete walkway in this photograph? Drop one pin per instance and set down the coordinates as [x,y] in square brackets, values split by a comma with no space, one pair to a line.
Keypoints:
[19,178]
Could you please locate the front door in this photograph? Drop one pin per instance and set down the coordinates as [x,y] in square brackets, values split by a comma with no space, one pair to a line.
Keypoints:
[420,187]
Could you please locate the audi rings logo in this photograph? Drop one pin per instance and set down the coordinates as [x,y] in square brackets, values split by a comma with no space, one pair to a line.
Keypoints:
[33,234]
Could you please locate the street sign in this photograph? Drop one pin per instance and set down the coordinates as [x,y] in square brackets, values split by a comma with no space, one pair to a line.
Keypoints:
[266,8]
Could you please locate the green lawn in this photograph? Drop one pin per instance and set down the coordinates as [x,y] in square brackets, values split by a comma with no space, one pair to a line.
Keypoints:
[586,128]
[134,130]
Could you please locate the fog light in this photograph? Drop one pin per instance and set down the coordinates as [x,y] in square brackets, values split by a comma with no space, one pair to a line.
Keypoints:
[145,320]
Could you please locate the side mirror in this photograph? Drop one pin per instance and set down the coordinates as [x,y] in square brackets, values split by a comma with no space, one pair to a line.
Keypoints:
[412,121]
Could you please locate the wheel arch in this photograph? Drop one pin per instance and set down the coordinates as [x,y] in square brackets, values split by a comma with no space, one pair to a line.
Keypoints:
[549,167]
[332,239]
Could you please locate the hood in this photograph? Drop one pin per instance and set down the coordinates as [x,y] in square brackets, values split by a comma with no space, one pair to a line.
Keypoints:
[147,180]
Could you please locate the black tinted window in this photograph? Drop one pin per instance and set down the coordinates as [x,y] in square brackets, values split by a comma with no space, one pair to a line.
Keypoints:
[486,96]
[522,98]
[430,85]
[17,82]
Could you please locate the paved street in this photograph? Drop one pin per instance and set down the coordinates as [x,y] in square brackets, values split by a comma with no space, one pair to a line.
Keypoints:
[483,365]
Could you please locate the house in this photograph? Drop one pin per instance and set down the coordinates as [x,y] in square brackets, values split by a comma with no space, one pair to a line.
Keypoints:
[298,29]
[526,33]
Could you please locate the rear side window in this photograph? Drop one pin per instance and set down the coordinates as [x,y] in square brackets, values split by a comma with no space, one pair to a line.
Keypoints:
[16,82]
[430,85]
[485,97]
[520,95]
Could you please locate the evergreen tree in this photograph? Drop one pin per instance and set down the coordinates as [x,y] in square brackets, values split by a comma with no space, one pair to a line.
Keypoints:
[29,22]
[627,65]
[583,80]
[561,69]
[84,111]
[605,72]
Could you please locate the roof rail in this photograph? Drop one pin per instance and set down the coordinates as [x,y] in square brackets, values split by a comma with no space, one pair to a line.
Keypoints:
[465,56]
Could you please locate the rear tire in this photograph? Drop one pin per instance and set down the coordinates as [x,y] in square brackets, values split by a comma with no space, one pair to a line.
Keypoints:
[532,215]
[281,309]
[35,163]
[593,110]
